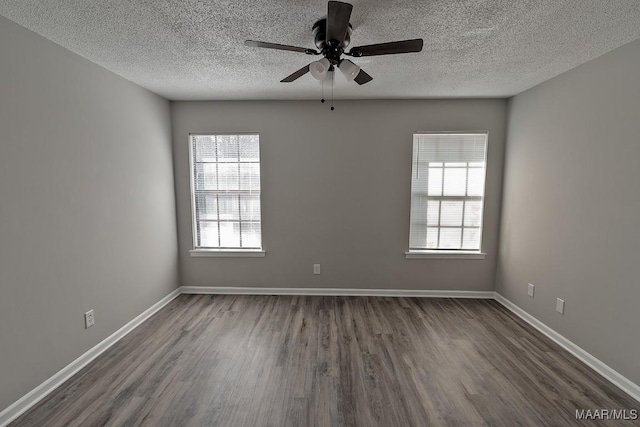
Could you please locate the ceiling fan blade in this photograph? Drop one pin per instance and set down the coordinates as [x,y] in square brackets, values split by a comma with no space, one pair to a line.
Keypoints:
[404,46]
[362,78]
[338,22]
[253,43]
[301,72]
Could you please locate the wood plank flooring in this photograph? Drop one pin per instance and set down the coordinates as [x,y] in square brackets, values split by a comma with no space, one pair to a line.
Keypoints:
[214,360]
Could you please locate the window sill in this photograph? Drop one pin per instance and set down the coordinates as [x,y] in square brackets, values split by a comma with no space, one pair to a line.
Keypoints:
[444,255]
[204,253]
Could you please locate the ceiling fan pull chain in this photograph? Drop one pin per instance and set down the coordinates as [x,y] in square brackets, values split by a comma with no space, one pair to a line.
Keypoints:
[322,84]
[332,80]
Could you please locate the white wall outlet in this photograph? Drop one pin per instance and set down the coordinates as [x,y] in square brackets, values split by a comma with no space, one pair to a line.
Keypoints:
[316,268]
[89,319]
[530,290]
[560,306]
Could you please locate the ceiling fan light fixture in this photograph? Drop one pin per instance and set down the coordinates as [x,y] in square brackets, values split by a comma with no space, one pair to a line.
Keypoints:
[319,69]
[328,78]
[349,69]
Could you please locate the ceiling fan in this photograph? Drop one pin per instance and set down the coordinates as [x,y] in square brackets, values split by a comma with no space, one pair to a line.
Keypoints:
[332,35]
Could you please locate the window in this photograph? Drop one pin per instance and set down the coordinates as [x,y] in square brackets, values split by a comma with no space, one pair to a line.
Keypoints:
[225,192]
[447,191]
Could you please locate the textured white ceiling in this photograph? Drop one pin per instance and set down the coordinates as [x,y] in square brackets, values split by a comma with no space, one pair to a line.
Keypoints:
[193,49]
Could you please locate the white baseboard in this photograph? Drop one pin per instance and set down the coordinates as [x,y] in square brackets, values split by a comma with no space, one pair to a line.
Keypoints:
[34,396]
[597,365]
[37,394]
[231,290]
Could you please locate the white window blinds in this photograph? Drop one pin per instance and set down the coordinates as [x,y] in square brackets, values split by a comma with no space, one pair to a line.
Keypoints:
[226,191]
[447,191]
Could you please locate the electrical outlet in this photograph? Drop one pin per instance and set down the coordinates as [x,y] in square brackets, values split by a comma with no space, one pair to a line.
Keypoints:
[316,268]
[89,319]
[531,289]
[560,306]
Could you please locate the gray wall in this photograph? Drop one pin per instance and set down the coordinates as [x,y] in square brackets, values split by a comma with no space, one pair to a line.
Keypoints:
[87,214]
[572,205]
[336,191]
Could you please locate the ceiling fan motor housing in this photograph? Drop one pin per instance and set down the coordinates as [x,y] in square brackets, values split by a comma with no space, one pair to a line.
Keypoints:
[331,51]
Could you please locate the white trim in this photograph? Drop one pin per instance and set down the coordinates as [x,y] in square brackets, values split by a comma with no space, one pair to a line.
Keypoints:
[34,396]
[192,191]
[444,255]
[597,365]
[451,132]
[415,254]
[192,194]
[204,253]
[233,290]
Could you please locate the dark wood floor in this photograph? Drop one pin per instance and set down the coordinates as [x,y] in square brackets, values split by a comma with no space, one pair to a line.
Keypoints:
[211,360]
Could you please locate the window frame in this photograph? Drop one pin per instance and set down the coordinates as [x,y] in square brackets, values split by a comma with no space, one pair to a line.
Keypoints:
[443,253]
[199,252]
